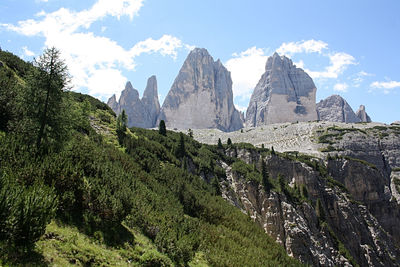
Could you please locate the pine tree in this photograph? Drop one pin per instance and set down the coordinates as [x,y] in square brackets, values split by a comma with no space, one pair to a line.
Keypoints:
[180,152]
[229,142]
[320,210]
[162,129]
[220,144]
[304,192]
[45,100]
[216,186]
[265,177]
[190,133]
[122,121]
[281,183]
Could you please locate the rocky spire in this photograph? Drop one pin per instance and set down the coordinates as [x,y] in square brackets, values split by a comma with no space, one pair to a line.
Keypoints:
[141,112]
[201,96]
[150,100]
[362,114]
[284,93]
[335,108]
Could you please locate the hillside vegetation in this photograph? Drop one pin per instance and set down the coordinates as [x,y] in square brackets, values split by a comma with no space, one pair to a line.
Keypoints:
[79,188]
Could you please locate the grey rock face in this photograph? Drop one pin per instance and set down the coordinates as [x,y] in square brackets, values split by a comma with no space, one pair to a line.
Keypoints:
[336,109]
[150,100]
[113,104]
[362,114]
[297,227]
[201,96]
[141,112]
[283,94]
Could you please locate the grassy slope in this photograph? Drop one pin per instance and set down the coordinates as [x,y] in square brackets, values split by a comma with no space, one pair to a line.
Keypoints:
[169,216]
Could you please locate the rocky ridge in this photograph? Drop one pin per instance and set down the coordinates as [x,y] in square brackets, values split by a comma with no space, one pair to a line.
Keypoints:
[348,233]
[141,112]
[335,108]
[201,96]
[284,93]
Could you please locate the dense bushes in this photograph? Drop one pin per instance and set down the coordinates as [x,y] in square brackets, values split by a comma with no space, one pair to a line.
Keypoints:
[150,183]
[24,212]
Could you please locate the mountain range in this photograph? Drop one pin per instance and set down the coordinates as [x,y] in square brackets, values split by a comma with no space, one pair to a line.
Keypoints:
[201,97]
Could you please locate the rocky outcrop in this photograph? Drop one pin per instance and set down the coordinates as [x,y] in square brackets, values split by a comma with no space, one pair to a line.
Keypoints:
[284,93]
[201,96]
[362,114]
[141,112]
[336,109]
[348,225]
[150,100]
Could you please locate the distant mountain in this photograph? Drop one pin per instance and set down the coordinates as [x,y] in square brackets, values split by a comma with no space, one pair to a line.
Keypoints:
[141,112]
[201,96]
[284,93]
[335,108]
[362,114]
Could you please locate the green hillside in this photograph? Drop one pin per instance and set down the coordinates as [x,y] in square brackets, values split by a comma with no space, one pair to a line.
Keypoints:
[78,188]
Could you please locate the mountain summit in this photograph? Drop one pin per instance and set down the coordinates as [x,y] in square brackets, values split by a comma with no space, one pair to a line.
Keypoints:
[201,96]
[335,108]
[141,112]
[284,93]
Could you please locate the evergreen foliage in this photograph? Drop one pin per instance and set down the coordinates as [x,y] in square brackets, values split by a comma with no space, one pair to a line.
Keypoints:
[320,210]
[162,128]
[229,142]
[109,190]
[219,145]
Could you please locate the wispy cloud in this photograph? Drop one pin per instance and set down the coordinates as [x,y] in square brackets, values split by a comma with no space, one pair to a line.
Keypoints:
[91,56]
[246,68]
[386,86]
[338,63]
[341,87]
[27,52]
[309,46]
[358,78]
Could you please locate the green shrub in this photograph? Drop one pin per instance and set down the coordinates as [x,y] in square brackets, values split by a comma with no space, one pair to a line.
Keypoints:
[24,212]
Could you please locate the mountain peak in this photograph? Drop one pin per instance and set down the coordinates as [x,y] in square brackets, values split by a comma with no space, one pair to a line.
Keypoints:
[201,96]
[284,93]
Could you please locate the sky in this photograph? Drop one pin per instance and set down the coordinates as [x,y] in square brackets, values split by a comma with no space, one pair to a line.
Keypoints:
[350,48]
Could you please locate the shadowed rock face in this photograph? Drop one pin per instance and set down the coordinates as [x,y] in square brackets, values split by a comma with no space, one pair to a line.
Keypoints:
[201,96]
[336,109]
[362,114]
[351,216]
[283,94]
[141,112]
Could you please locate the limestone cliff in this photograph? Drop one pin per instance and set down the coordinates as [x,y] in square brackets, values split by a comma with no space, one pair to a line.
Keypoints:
[201,96]
[348,233]
[335,108]
[362,114]
[141,112]
[284,93]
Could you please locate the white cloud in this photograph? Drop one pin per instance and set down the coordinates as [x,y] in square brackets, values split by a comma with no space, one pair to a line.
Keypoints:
[358,78]
[387,87]
[104,81]
[28,52]
[166,45]
[241,108]
[341,87]
[246,69]
[90,56]
[309,46]
[338,63]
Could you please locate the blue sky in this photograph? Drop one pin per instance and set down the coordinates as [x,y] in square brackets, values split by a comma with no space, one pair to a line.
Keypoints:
[350,48]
